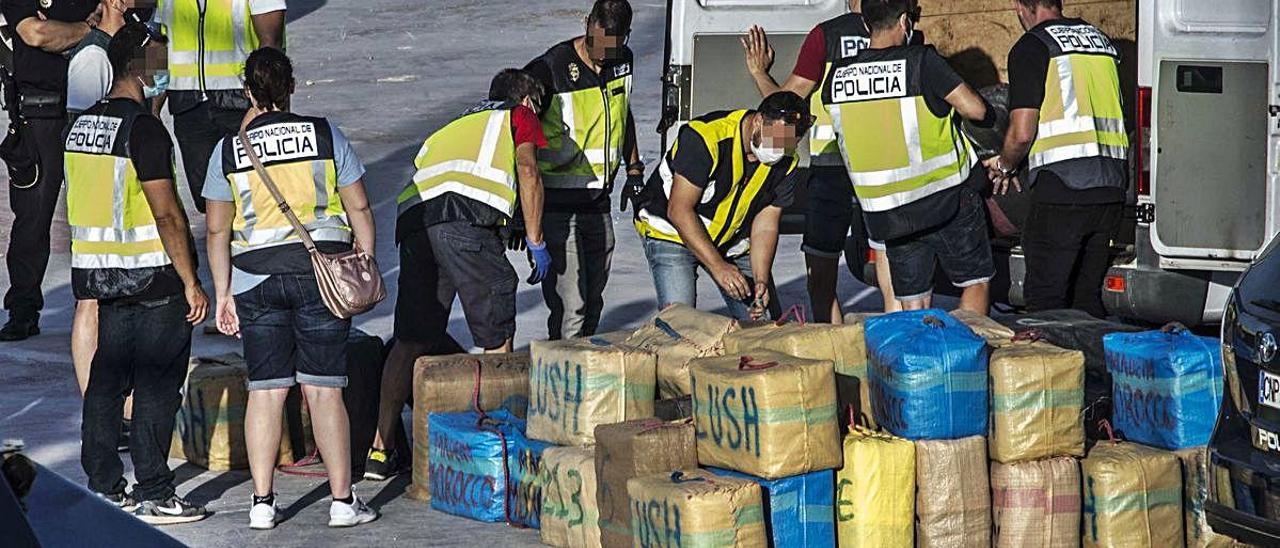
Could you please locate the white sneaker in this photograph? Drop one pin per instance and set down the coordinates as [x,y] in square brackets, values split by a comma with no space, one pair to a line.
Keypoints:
[263,516]
[342,514]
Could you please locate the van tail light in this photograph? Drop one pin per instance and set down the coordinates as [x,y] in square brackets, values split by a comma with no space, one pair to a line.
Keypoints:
[1143,146]
[1115,284]
[871,256]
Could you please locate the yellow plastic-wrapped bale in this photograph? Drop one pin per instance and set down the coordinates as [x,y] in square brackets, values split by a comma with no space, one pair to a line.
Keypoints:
[210,422]
[447,384]
[983,326]
[953,495]
[576,385]
[1195,491]
[770,415]
[876,491]
[1037,392]
[570,513]
[678,334]
[629,450]
[694,508]
[1132,496]
[1036,503]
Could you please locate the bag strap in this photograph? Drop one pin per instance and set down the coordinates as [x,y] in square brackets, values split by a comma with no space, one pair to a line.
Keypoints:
[275,192]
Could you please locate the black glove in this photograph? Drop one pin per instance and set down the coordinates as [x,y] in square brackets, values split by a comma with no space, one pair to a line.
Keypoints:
[631,192]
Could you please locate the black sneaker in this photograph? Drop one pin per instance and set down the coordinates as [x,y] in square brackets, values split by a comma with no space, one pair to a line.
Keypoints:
[381,464]
[169,511]
[126,429]
[123,501]
[20,328]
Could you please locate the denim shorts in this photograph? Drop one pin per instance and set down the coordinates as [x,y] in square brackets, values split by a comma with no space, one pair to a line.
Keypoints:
[289,336]
[961,245]
[829,212]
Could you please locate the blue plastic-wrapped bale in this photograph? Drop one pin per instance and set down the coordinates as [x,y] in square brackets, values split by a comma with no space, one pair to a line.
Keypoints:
[468,478]
[1166,386]
[928,375]
[798,510]
[524,486]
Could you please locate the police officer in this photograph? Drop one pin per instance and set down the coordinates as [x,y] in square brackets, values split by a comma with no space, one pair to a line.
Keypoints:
[33,149]
[472,176]
[131,249]
[591,134]
[830,208]
[892,107]
[1067,121]
[716,201]
[211,40]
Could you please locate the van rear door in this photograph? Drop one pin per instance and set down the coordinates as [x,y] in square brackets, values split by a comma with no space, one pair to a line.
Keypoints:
[706,70]
[1214,133]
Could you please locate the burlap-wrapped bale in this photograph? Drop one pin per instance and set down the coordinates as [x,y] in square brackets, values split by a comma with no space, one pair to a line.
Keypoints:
[845,346]
[770,415]
[570,513]
[576,385]
[694,508]
[1167,386]
[953,495]
[1132,496]
[876,491]
[446,384]
[1036,503]
[993,332]
[798,510]
[1195,491]
[633,449]
[209,430]
[1037,392]
[678,334]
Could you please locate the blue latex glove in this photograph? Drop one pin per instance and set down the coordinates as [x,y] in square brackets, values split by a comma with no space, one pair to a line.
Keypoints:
[539,261]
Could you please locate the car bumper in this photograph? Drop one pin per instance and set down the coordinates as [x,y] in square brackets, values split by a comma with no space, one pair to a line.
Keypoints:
[1244,483]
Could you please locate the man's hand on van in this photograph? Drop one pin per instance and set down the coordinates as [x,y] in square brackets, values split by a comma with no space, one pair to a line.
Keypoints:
[759,53]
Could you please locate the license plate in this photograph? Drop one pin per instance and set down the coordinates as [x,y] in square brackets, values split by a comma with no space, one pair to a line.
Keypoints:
[1269,389]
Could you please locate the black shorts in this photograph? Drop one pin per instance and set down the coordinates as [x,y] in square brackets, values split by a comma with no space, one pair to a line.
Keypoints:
[290,336]
[961,245]
[448,260]
[828,213]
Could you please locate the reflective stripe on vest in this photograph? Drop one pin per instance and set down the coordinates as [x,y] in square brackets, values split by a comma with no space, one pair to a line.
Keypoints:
[908,155]
[473,156]
[125,234]
[224,34]
[582,134]
[1082,115]
[824,146]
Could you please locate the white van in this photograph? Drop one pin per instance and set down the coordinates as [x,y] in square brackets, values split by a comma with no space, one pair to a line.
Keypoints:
[1207,137]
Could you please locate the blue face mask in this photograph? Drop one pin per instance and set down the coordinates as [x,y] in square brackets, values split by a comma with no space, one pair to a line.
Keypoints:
[161,80]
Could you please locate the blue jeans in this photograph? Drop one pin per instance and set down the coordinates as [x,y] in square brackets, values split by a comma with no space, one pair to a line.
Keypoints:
[675,276]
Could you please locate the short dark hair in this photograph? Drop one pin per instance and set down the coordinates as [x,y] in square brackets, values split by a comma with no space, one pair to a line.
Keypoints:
[614,16]
[884,14]
[268,75]
[127,45]
[513,85]
[787,107]
[1051,4]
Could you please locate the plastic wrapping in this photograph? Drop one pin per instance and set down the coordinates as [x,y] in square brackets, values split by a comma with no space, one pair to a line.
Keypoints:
[845,346]
[1195,491]
[1036,503]
[633,449]
[1167,386]
[469,478]
[928,375]
[447,384]
[570,514]
[953,495]
[770,415]
[798,510]
[524,484]
[1037,394]
[578,384]
[876,491]
[1132,496]
[678,334]
[695,508]
[993,332]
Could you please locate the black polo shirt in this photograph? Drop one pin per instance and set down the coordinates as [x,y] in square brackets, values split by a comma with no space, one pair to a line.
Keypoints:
[34,68]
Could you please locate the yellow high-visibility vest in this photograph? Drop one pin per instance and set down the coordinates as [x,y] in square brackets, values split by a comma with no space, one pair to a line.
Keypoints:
[1082,115]
[297,152]
[845,36]
[474,156]
[209,41]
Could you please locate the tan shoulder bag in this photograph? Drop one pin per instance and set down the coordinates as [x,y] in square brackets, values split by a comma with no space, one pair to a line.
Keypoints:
[350,282]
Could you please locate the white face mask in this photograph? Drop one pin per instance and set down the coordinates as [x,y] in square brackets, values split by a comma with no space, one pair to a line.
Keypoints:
[767,155]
